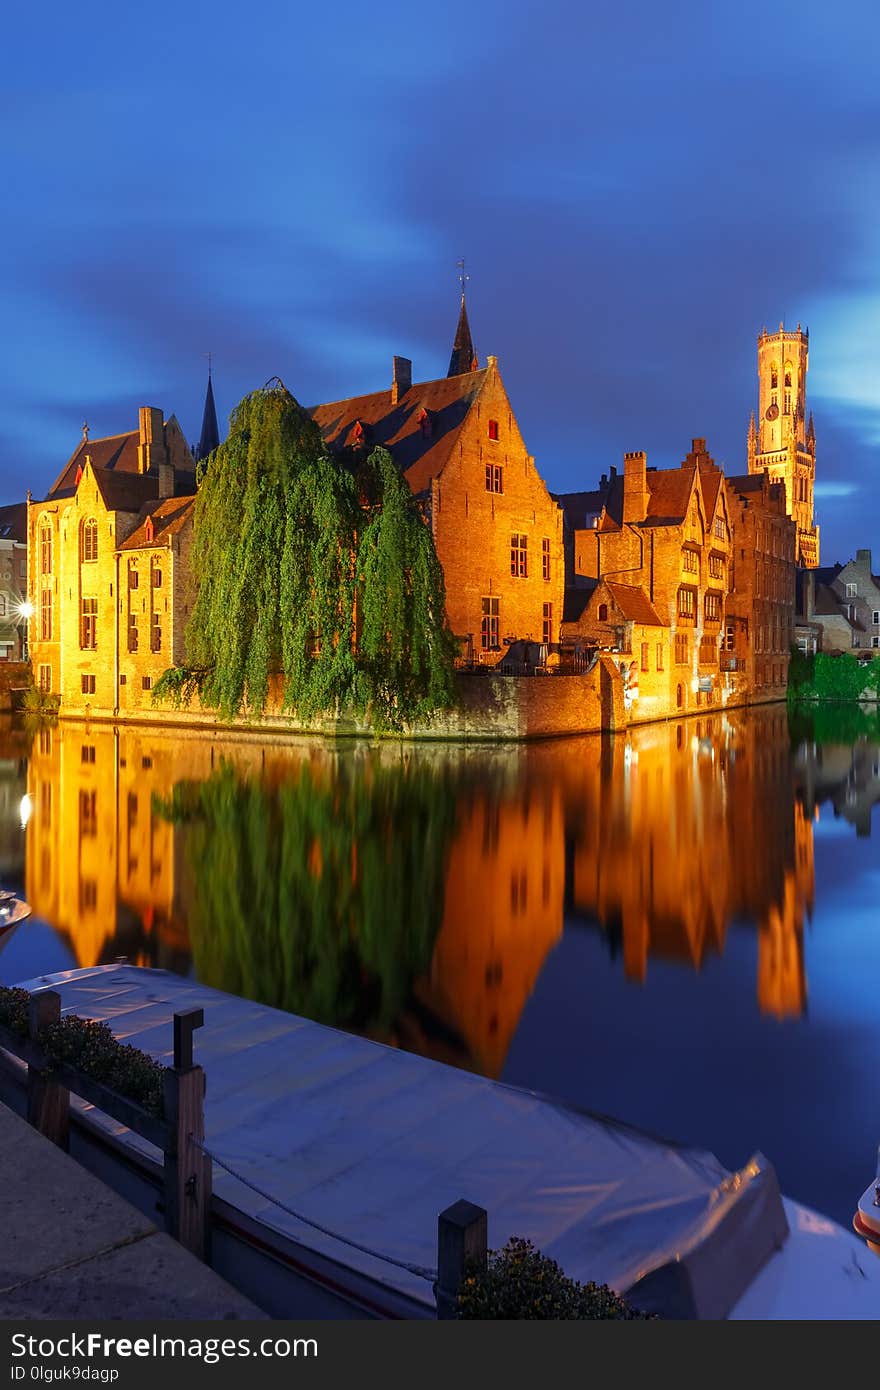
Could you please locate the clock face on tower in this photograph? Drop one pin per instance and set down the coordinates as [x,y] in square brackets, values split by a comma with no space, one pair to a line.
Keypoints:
[771,412]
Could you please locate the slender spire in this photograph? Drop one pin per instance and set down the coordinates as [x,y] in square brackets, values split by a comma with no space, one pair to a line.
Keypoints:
[209,439]
[464,358]
[752,442]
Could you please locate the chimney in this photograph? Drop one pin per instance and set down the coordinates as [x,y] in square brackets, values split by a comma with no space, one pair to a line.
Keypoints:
[635,486]
[401,378]
[152,450]
[698,446]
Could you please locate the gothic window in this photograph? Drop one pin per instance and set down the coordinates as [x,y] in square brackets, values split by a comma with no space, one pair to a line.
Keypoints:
[788,374]
[89,551]
[603,612]
[45,546]
[774,376]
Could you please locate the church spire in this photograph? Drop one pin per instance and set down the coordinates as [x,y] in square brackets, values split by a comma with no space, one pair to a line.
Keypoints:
[752,442]
[464,358]
[209,439]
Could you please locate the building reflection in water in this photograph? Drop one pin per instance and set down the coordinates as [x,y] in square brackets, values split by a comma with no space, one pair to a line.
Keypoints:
[414,894]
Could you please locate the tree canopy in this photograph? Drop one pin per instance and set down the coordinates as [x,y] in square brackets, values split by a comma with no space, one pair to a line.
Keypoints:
[320,573]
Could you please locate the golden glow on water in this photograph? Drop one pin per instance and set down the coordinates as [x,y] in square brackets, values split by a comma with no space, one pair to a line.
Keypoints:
[415,894]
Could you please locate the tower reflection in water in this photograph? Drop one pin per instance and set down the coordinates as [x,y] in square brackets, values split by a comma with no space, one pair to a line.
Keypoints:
[413,894]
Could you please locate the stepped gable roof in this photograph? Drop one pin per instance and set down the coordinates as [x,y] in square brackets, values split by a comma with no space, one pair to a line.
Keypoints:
[669,495]
[168,515]
[420,431]
[13,522]
[633,603]
[118,452]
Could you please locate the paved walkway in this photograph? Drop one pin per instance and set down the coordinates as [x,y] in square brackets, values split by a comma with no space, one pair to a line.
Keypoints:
[71,1248]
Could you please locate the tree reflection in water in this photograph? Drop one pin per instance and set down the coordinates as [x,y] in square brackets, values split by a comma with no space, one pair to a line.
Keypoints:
[322,895]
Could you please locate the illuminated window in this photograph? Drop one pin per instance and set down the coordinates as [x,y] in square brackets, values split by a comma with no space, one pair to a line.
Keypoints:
[490,624]
[45,546]
[493,429]
[89,624]
[89,541]
[494,477]
[45,615]
[519,559]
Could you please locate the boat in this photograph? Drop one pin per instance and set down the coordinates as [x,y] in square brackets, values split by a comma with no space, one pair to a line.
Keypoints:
[333,1156]
[866,1221]
[13,910]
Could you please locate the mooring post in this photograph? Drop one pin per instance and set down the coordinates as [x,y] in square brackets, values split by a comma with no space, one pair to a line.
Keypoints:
[187,1167]
[462,1244]
[48,1104]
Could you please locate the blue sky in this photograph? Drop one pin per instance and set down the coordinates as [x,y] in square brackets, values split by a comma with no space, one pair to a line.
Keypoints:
[637,189]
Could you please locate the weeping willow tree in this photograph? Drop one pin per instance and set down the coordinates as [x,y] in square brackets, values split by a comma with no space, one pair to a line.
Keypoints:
[307,896]
[311,572]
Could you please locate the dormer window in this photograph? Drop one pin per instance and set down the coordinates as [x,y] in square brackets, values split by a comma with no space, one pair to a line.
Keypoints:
[424,421]
[149,530]
[493,429]
[358,434]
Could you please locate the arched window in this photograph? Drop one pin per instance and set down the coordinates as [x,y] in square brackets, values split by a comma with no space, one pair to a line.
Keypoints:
[89,540]
[603,612]
[774,377]
[45,546]
[788,378]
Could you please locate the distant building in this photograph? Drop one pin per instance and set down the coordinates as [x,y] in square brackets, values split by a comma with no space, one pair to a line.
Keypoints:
[781,441]
[665,534]
[760,611]
[85,589]
[13,582]
[497,530]
[838,607]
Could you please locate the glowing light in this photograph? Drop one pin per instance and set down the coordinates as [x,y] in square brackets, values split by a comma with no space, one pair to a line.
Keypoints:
[26,609]
[24,810]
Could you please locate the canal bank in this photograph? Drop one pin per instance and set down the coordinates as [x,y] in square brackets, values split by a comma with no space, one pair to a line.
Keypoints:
[73,1248]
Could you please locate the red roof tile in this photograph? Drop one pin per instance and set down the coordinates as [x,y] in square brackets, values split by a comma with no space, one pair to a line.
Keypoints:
[420,444]
[633,603]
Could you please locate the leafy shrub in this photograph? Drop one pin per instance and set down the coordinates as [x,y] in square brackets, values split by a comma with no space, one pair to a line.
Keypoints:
[519,1282]
[36,701]
[830,677]
[92,1048]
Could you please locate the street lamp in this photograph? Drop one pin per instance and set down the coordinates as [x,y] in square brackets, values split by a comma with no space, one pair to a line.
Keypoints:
[26,610]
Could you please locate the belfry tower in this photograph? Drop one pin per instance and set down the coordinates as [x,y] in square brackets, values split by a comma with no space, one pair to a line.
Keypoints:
[781,441]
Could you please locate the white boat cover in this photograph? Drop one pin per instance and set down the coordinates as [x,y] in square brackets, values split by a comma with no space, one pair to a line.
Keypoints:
[374,1143]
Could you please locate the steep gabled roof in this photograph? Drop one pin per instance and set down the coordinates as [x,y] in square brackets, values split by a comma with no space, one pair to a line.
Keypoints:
[118,452]
[576,600]
[13,522]
[209,439]
[168,516]
[669,495]
[634,603]
[420,431]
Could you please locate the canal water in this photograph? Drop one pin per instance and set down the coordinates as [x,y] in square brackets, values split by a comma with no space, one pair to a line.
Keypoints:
[678,927]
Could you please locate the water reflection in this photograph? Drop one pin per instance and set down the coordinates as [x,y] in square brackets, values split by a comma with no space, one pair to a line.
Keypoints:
[415,894]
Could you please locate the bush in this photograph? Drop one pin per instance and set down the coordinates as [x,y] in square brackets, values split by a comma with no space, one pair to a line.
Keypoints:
[92,1048]
[826,676]
[519,1282]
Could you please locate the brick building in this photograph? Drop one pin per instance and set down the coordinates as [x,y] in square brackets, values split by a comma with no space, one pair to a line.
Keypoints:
[666,533]
[839,608]
[760,610]
[13,582]
[497,530]
[79,575]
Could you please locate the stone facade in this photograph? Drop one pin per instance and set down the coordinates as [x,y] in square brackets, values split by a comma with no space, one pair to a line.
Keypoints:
[13,582]
[839,608]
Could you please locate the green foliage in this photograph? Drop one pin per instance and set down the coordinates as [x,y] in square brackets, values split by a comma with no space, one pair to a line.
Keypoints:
[519,1282]
[308,897]
[406,649]
[828,677]
[290,547]
[92,1048]
[39,702]
[832,722]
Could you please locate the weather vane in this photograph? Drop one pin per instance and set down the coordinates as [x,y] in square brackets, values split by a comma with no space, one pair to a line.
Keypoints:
[462,275]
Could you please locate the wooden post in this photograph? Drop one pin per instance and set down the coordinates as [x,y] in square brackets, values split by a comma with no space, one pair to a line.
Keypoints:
[187,1167]
[462,1243]
[48,1104]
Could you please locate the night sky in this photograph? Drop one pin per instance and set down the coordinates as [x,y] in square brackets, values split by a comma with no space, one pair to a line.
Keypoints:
[637,189]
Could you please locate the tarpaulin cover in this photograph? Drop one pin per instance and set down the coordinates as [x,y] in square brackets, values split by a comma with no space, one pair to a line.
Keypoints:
[373,1142]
